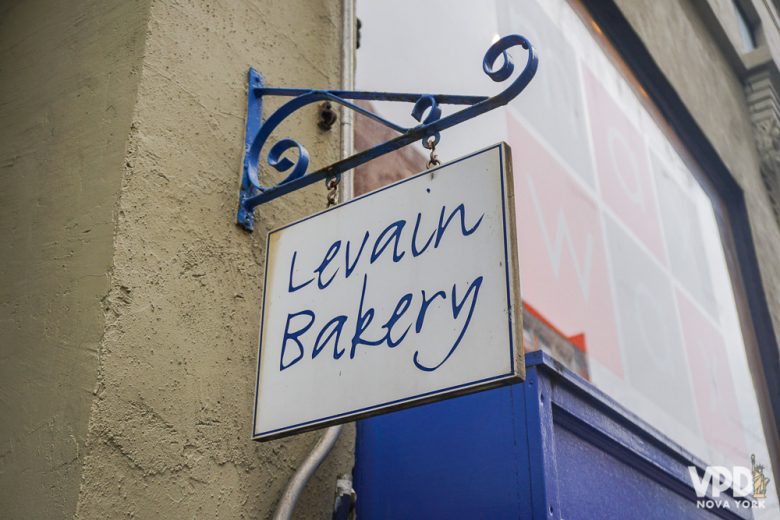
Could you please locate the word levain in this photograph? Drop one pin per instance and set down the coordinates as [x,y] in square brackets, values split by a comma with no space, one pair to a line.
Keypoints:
[390,242]
[402,296]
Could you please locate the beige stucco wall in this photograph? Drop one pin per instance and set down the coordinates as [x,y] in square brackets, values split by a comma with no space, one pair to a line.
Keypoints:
[129,300]
[67,88]
[169,430]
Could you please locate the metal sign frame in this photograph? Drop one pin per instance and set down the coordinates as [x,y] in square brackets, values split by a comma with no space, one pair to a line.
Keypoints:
[513,306]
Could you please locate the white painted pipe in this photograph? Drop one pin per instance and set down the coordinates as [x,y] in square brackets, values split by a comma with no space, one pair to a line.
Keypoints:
[295,487]
[349,37]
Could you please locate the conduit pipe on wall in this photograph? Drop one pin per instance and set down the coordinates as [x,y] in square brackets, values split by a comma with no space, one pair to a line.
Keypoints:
[321,450]
[307,468]
[349,31]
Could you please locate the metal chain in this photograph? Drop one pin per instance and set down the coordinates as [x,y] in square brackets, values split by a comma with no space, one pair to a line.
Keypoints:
[332,183]
[434,160]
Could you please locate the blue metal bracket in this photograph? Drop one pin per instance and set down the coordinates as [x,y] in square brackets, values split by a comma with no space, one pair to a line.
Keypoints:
[426,110]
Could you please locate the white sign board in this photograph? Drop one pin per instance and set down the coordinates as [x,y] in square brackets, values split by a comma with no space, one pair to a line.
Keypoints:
[406,295]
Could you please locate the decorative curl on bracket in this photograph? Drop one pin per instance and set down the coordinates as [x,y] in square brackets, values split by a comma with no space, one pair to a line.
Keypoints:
[283,164]
[499,48]
[306,98]
[434,114]
[426,110]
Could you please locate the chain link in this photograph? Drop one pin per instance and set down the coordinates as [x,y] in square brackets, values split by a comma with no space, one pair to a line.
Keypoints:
[332,183]
[434,159]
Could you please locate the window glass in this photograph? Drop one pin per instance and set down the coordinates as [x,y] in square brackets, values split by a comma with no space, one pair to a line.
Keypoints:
[746,32]
[623,271]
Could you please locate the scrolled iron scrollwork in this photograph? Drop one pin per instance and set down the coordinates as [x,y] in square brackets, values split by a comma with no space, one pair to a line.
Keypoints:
[426,110]
[427,102]
[283,164]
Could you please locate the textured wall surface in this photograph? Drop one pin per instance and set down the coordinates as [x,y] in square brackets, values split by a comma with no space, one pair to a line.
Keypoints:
[67,88]
[169,434]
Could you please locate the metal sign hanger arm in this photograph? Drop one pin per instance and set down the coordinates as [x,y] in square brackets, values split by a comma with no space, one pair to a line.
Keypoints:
[426,110]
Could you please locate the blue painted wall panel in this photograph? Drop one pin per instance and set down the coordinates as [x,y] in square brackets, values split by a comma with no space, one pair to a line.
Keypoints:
[453,459]
[551,447]
[594,484]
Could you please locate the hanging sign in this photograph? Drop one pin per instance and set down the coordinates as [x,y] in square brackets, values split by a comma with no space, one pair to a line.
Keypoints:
[403,296]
